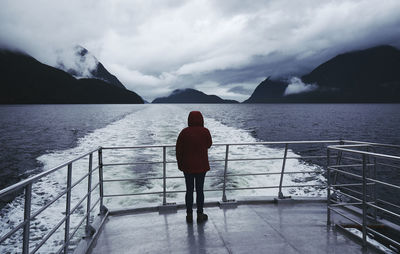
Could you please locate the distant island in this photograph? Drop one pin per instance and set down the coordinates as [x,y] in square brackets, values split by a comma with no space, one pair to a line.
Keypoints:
[191,96]
[24,80]
[371,75]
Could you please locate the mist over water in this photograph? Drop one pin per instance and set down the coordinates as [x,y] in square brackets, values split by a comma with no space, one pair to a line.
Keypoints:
[161,124]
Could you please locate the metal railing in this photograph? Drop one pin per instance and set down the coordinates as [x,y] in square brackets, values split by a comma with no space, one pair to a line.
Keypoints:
[362,165]
[27,184]
[102,167]
[226,175]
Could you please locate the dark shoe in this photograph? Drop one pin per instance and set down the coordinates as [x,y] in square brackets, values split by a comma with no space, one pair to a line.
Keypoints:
[189,218]
[201,217]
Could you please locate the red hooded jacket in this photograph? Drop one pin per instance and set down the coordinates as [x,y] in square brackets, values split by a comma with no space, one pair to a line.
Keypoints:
[192,145]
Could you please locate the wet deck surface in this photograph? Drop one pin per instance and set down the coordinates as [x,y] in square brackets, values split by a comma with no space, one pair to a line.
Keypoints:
[271,228]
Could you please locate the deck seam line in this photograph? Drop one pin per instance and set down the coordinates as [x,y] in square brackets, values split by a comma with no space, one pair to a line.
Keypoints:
[281,235]
[220,236]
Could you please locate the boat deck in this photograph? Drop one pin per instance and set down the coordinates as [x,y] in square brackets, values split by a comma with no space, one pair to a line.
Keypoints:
[286,227]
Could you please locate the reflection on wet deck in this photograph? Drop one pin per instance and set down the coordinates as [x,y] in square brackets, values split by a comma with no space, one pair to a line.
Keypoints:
[269,228]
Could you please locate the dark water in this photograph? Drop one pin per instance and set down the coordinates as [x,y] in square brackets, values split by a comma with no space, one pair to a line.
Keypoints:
[28,131]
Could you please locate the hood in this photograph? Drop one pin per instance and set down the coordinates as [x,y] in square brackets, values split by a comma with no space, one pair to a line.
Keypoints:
[195,119]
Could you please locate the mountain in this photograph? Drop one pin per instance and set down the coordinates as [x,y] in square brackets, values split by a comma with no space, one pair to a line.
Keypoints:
[370,75]
[268,91]
[80,63]
[191,96]
[23,79]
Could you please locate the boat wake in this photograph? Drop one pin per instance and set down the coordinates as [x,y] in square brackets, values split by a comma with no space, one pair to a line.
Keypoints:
[153,125]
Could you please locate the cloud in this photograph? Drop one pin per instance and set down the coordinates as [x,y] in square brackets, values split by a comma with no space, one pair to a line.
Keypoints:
[77,61]
[158,46]
[297,86]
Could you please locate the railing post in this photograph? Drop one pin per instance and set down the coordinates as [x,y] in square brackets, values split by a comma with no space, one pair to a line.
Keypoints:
[372,174]
[338,161]
[68,208]
[103,209]
[224,199]
[374,191]
[27,218]
[328,189]
[164,175]
[280,194]
[88,202]
[364,203]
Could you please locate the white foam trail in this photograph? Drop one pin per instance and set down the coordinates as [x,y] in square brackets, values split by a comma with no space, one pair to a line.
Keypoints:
[155,124]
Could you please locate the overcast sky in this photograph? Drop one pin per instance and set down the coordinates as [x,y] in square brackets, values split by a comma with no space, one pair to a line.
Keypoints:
[219,47]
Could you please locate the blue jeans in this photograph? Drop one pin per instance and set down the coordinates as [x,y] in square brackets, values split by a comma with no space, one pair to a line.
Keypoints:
[189,180]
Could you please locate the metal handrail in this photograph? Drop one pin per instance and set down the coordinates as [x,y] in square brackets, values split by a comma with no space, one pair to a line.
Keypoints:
[27,183]
[365,181]
[28,216]
[226,160]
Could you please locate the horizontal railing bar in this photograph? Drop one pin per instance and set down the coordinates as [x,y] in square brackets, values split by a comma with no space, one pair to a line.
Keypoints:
[231,189]
[134,179]
[345,204]
[345,216]
[63,220]
[207,176]
[91,209]
[350,165]
[352,145]
[80,180]
[132,163]
[354,191]
[48,204]
[273,158]
[387,165]
[397,244]
[357,192]
[383,183]
[216,160]
[343,193]
[384,210]
[378,155]
[349,184]
[351,158]
[12,231]
[345,172]
[77,228]
[224,144]
[277,186]
[34,178]
[275,173]
[54,200]
[372,143]
[34,215]
[132,194]
[79,203]
[95,203]
[61,249]
[387,203]
[48,235]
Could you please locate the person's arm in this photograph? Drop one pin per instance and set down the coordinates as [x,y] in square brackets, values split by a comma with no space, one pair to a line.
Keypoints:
[209,139]
[179,150]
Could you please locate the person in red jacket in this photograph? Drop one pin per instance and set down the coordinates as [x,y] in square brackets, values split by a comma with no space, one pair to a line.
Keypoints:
[192,157]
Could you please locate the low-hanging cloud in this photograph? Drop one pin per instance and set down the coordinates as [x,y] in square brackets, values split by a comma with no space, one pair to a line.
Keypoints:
[154,47]
[297,86]
[77,61]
